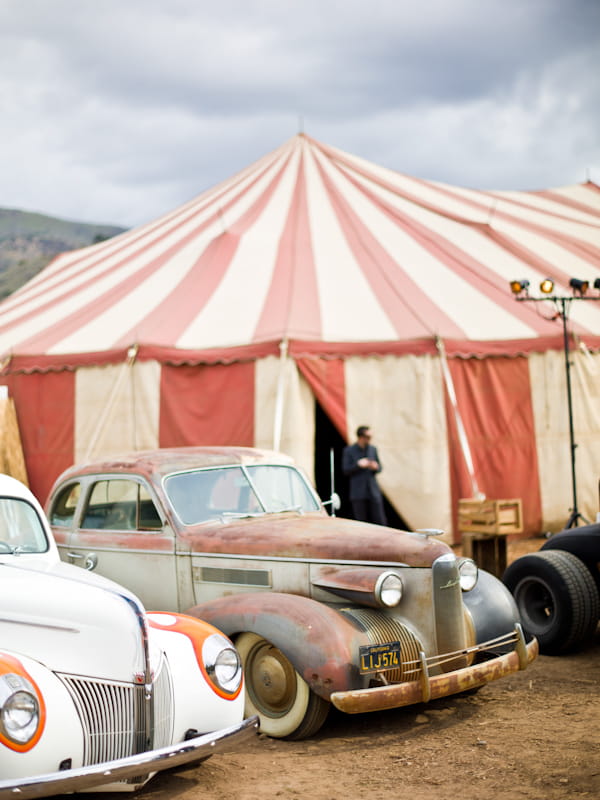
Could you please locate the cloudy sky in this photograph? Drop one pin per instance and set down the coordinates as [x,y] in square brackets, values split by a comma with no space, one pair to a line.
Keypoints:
[119,110]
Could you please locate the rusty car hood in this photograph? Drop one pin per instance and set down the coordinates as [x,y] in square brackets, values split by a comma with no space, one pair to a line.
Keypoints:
[312,536]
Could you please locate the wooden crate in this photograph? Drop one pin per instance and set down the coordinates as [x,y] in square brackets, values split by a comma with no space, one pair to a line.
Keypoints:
[490,516]
[488,551]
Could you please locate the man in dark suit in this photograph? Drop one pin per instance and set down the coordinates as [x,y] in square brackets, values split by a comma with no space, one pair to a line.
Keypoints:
[361,464]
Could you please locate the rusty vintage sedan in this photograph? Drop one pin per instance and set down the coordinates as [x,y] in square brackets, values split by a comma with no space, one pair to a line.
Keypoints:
[323,610]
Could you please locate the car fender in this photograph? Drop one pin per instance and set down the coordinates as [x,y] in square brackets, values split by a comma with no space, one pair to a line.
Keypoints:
[61,737]
[199,704]
[582,542]
[492,608]
[321,644]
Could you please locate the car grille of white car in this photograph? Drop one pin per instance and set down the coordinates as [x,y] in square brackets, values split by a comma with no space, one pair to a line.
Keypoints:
[114,715]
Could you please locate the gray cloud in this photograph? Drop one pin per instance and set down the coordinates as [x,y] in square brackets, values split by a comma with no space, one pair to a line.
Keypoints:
[119,110]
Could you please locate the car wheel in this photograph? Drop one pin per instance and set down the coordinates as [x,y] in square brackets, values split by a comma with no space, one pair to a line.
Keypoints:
[557,599]
[285,704]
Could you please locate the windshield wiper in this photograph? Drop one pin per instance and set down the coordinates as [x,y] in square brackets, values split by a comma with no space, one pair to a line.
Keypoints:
[248,514]
[297,509]
[240,514]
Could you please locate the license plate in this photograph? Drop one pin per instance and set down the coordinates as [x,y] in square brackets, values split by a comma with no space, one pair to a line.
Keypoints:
[379,657]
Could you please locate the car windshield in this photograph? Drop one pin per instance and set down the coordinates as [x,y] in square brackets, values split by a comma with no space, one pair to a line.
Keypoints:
[238,491]
[21,530]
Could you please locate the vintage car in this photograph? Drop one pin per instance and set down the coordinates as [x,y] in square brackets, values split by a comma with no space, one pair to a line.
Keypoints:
[557,589]
[322,609]
[94,692]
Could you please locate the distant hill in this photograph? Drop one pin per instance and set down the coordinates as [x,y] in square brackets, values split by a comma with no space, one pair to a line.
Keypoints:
[30,241]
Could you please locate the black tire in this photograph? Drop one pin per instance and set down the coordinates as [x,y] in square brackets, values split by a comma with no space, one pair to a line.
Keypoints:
[286,706]
[557,599]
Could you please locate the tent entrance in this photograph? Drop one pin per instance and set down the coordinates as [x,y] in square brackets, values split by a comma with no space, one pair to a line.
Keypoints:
[327,437]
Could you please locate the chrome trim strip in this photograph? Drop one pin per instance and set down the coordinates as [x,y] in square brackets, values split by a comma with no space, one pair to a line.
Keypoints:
[146,764]
[31,624]
[244,556]
[96,549]
[293,559]
[140,615]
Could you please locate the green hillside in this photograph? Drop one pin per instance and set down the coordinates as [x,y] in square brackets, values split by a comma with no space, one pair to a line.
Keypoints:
[30,241]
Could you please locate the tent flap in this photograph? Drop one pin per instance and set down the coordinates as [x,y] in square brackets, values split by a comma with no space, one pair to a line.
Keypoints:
[207,405]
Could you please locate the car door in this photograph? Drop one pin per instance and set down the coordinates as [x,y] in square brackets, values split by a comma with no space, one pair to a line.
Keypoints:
[114,526]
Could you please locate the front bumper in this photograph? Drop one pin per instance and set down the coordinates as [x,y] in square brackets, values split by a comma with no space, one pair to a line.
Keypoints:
[379,698]
[146,764]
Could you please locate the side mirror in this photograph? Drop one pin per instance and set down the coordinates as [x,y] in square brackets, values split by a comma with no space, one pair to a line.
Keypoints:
[335,502]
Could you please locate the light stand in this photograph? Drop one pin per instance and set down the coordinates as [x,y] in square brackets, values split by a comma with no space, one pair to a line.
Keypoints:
[563,305]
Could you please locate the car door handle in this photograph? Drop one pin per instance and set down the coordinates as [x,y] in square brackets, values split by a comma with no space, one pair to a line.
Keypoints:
[91,559]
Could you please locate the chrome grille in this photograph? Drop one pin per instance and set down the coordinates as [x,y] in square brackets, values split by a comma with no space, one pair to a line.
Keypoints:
[113,715]
[381,629]
[163,707]
[239,577]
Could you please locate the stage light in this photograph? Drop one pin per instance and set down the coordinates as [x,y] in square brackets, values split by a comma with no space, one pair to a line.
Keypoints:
[517,287]
[580,287]
[562,304]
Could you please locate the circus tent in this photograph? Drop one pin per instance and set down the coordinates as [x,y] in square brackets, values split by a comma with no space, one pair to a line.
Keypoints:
[314,277]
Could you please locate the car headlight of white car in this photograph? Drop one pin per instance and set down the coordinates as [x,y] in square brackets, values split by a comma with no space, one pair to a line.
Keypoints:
[222,663]
[19,709]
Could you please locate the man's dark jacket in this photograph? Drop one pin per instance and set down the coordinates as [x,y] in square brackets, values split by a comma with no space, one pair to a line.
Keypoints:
[363,484]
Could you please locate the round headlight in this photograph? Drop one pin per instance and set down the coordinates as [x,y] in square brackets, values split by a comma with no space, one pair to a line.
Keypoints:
[469,573]
[227,667]
[388,589]
[19,709]
[222,663]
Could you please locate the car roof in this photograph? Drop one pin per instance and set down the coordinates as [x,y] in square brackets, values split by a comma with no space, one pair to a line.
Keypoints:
[12,487]
[165,461]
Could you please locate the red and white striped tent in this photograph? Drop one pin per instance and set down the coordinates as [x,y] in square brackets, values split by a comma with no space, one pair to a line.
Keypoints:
[316,275]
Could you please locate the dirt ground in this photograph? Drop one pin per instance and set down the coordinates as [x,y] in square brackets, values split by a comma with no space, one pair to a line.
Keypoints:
[532,736]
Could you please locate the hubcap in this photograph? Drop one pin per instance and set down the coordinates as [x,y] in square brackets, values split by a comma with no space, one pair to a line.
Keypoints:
[536,605]
[270,680]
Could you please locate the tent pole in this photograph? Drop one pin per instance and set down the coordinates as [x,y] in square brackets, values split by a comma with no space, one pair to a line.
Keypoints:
[462,434]
[280,398]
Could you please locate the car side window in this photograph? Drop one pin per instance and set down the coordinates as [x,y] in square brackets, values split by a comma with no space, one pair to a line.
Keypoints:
[148,517]
[63,508]
[120,504]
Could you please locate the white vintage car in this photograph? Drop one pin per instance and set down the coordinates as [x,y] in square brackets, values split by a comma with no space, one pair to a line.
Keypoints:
[94,692]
